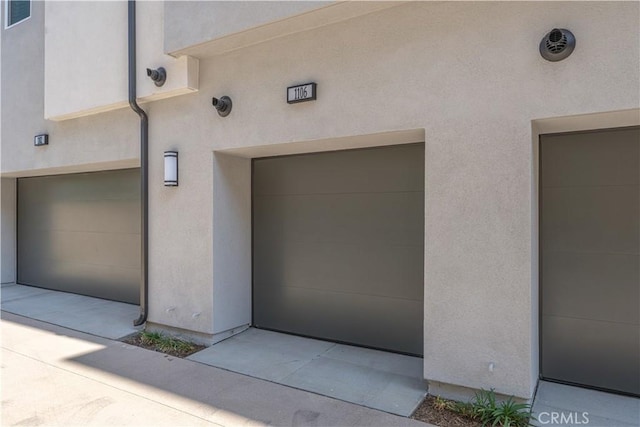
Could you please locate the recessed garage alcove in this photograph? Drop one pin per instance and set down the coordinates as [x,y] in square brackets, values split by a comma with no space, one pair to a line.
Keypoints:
[233,266]
[296,228]
[587,224]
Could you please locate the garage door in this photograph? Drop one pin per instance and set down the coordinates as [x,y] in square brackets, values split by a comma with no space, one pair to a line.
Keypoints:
[81,233]
[338,246]
[590,238]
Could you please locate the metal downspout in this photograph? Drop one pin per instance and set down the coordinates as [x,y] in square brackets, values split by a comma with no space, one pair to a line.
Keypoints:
[144,167]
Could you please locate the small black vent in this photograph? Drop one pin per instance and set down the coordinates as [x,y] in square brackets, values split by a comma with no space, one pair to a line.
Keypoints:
[557,45]
[556,35]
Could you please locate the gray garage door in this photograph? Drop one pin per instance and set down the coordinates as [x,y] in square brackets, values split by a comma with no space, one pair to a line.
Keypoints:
[338,246]
[81,233]
[590,239]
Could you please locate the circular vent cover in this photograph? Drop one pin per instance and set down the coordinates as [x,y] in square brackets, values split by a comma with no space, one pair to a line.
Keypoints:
[557,44]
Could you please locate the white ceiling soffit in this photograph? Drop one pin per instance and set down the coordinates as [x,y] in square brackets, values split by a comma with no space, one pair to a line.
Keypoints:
[327,15]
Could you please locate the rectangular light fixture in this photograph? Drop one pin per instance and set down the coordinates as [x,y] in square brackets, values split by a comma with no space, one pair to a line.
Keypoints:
[41,140]
[171,168]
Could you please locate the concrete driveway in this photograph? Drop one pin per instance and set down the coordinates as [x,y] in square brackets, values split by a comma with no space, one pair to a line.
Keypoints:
[56,376]
[568,406]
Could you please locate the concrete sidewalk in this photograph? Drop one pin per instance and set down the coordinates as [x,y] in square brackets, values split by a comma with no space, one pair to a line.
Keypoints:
[56,376]
[108,319]
[577,407]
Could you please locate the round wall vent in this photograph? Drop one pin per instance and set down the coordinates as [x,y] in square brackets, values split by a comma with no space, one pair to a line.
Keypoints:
[557,44]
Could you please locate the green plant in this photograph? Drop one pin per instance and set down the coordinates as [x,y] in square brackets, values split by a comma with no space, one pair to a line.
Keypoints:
[465,409]
[484,404]
[165,343]
[508,413]
[511,413]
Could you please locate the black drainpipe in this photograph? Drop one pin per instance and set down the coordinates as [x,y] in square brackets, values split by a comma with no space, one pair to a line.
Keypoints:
[144,168]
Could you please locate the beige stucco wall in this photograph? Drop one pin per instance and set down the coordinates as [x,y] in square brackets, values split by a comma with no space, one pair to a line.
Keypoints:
[98,142]
[232,241]
[22,88]
[472,77]
[466,75]
[86,57]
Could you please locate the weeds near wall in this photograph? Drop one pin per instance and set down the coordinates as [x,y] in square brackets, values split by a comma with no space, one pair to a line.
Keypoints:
[163,344]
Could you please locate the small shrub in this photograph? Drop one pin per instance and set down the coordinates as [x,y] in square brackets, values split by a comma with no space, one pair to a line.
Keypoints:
[506,414]
[464,408]
[510,413]
[484,404]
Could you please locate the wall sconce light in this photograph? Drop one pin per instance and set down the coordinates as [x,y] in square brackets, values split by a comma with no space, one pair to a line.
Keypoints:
[223,105]
[158,76]
[171,168]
